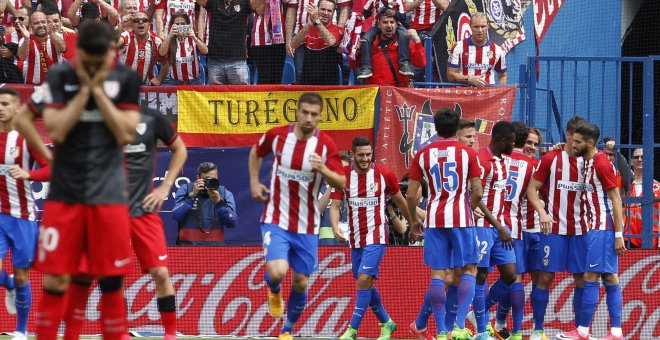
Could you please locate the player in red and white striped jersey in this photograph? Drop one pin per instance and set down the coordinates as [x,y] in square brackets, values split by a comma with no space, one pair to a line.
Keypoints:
[164,11]
[563,224]
[605,238]
[40,50]
[449,234]
[138,49]
[303,156]
[473,60]
[18,226]
[182,47]
[367,188]
[495,242]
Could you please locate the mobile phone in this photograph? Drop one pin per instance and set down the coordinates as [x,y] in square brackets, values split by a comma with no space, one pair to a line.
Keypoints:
[182,29]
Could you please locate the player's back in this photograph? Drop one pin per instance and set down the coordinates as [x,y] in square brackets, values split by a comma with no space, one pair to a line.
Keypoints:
[519,172]
[494,180]
[600,177]
[447,165]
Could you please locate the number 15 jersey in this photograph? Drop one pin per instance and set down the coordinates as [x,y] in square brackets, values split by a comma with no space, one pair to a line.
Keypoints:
[447,165]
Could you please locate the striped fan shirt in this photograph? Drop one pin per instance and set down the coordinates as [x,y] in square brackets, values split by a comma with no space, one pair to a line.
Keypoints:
[40,58]
[140,56]
[425,15]
[187,62]
[475,60]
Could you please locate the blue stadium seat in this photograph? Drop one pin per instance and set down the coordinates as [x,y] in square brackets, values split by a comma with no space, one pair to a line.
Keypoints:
[289,72]
[202,68]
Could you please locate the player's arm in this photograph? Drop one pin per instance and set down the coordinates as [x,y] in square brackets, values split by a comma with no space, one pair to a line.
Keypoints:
[617,215]
[416,226]
[324,200]
[533,197]
[23,122]
[155,199]
[334,220]
[259,191]
[476,193]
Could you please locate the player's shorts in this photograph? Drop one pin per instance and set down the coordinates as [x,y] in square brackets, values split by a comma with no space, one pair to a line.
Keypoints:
[498,253]
[69,230]
[562,253]
[601,256]
[519,251]
[531,250]
[366,260]
[20,236]
[148,241]
[484,238]
[450,247]
[300,250]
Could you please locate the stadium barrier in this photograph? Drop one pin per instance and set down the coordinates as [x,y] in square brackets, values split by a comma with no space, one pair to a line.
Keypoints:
[220,291]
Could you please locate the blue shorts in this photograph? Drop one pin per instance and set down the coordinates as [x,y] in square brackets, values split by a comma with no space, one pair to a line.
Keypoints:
[601,257]
[450,247]
[531,250]
[491,249]
[20,236]
[562,253]
[519,250]
[485,244]
[366,260]
[300,250]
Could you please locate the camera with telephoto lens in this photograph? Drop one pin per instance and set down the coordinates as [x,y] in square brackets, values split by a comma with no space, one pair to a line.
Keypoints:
[211,183]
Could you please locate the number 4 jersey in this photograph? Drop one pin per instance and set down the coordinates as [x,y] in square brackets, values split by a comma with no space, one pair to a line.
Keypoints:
[447,165]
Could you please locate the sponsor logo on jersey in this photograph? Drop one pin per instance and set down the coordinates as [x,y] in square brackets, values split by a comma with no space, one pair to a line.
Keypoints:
[571,186]
[294,175]
[358,202]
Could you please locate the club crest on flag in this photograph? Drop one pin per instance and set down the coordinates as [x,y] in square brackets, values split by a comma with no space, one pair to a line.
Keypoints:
[425,128]
[141,128]
[111,88]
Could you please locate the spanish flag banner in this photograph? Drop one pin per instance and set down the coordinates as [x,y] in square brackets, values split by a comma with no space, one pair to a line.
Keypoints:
[236,116]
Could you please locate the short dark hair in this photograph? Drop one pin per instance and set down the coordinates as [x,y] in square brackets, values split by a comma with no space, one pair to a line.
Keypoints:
[573,122]
[521,131]
[588,130]
[465,124]
[95,37]
[386,12]
[205,167]
[360,141]
[10,91]
[502,129]
[89,11]
[49,7]
[608,139]
[311,98]
[446,122]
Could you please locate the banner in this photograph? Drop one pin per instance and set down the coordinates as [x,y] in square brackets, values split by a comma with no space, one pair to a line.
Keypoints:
[544,12]
[406,118]
[220,292]
[228,116]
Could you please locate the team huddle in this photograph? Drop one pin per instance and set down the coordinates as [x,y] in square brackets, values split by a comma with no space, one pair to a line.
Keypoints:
[499,206]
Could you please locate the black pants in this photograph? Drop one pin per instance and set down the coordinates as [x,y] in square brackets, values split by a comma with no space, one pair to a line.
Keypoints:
[270,63]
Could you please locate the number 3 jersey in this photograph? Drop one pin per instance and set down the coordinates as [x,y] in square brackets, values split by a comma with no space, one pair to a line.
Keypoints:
[447,165]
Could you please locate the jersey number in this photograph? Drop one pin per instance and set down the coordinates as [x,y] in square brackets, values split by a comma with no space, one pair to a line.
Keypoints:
[448,178]
[511,185]
[49,238]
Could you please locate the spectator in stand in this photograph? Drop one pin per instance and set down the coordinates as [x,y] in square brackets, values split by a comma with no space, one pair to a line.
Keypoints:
[181,48]
[636,190]
[11,33]
[39,50]
[164,10]
[425,14]
[385,50]
[55,22]
[109,11]
[267,48]
[204,208]
[320,36]
[463,67]
[227,57]
[9,72]
[138,49]
[297,17]
[624,174]
[8,10]
[127,10]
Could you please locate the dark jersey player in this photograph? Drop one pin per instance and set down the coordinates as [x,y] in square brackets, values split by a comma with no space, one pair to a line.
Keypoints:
[91,111]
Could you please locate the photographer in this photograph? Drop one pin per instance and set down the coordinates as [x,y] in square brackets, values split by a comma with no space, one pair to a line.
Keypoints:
[203,209]
[399,231]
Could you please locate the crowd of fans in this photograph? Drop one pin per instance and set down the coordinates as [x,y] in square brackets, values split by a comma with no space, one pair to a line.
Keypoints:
[233,42]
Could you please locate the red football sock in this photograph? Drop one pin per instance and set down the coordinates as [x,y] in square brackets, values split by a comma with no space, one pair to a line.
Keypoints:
[113,315]
[169,322]
[75,311]
[49,314]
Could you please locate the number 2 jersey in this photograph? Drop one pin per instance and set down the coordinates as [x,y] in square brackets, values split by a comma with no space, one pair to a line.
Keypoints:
[447,165]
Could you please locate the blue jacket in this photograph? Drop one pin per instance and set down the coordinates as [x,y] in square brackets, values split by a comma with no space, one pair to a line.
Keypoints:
[206,228]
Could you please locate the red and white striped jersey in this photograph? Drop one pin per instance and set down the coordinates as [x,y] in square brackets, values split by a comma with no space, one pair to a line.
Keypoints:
[140,56]
[301,11]
[262,30]
[475,60]
[599,177]
[531,222]
[493,179]
[564,182]
[40,58]
[447,165]
[425,15]
[171,6]
[13,37]
[16,195]
[187,62]
[519,169]
[366,195]
[294,186]
[6,18]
